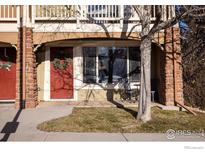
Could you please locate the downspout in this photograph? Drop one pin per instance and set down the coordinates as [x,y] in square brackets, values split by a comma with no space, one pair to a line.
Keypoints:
[24,56]
[173,55]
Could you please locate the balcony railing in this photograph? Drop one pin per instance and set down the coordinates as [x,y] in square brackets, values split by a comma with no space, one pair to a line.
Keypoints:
[168,12]
[55,12]
[8,13]
[99,12]
[80,13]
[95,12]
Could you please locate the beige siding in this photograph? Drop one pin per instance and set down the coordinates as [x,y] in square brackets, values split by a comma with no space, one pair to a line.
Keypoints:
[40,75]
[43,37]
[9,37]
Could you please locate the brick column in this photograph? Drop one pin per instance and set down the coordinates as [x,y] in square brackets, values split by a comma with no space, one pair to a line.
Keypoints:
[25,41]
[179,97]
[171,84]
[31,72]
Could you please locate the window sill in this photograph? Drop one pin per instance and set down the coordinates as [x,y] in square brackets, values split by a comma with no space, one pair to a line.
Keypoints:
[105,86]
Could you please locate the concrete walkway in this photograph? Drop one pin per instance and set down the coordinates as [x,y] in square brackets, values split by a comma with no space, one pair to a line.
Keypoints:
[20,125]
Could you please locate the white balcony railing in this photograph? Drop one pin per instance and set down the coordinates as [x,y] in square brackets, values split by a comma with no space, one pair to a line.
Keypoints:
[168,12]
[72,12]
[95,12]
[8,13]
[81,13]
[55,12]
[102,12]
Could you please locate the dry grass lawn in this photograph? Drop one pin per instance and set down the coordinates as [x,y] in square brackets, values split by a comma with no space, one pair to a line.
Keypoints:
[123,120]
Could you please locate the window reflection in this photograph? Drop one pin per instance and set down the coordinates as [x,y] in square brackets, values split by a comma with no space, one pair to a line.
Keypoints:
[120,63]
[134,64]
[103,69]
[112,64]
[109,64]
[89,71]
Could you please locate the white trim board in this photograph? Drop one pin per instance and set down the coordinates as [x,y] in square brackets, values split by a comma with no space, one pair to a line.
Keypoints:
[47,75]
[7,100]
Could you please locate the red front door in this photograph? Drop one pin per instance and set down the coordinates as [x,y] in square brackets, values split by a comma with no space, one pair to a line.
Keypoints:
[61,72]
[7,73]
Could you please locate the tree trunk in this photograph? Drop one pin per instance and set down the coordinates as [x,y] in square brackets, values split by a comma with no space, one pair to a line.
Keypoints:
[144,110]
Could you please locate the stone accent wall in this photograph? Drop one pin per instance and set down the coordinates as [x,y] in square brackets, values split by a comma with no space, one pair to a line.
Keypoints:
[25,41]
[179,97]
[171,83]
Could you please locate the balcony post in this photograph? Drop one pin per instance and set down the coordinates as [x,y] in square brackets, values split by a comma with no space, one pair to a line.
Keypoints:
[121,15]
[18,15]
[173,11]
[33,15]
[82,9]
[78,15]
[164,12]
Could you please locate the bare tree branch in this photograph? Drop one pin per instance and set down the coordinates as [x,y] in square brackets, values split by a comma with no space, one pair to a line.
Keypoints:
[137,9]
[186,12]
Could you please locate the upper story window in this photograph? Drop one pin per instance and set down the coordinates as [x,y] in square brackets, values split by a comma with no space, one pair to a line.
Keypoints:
[110,64]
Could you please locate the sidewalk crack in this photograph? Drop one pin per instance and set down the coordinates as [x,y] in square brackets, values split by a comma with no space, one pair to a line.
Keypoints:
[46,137]
[124,137]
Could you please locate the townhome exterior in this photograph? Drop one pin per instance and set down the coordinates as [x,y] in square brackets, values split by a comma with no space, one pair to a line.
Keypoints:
[63,53]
